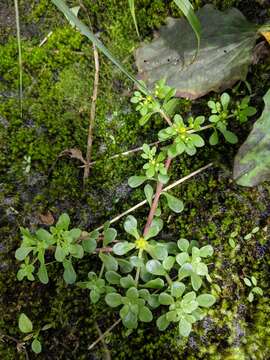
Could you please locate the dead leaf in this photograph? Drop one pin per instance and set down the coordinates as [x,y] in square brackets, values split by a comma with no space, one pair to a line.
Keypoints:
[266,34]
[224,56]
[73,153]
[46,219]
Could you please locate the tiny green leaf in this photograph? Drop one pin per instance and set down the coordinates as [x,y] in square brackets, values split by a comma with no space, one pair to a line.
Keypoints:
[22,252]
[122,248]
[247,282]
[206,300]
[155,267]
[145,314]
[206,251]
[42,274]
[130,226]
[109,236]
[113,299]
[162,322]
[154,284]
[165,299]
[183,244]
[36,346]
[69,272]
[148,191]
[174,204]
[25,324]
[184,327]
[135,181]
[63,222]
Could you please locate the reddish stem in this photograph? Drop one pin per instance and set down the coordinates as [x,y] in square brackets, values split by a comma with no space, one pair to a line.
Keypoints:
[156,200]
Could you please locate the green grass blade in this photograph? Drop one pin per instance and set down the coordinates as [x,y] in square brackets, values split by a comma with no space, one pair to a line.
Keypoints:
[19,49]
[132,10]
[187,9]
[89,34]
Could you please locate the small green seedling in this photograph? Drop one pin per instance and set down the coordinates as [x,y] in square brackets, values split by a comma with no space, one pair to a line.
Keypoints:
[219,118]
[27,164]
[232,241]
[252,283]
[26,327]
[243,111]
[60,240]
[252,233]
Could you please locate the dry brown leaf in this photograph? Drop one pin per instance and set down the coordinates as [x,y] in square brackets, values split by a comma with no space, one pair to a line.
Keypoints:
[266,34]
[74,153]
[46,219]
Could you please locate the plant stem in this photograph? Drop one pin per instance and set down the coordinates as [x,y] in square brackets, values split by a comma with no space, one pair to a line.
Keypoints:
[104,334]
[138,269]
[101,270]
[19,50]
[168,278]
[165,117]
[156,200]
[92,115]
[180,181]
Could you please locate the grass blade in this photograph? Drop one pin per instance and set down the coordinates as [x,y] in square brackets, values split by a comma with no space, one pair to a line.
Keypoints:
[132,10]
[90,35]
[187,9]
[19,50]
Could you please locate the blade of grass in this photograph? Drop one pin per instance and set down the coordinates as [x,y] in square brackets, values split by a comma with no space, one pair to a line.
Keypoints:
[19,50]
[187,9]
[90,35]
[132,11]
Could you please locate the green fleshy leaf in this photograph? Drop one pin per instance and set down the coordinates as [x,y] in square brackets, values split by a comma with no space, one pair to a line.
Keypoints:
[155,268]
[165,299]
[182,258]
[145,315]
[135,181]
[149,192]
[69,272]
[22,252]
[162,323]
[168,263]
[154,284]
[36,346]
[112,277]
[183,244]
[109,261]
[184,327]
[130,226]
[122,248]
[94,296]
[213,140]
[174,204]
[42,274]
[63,222]
[177,289]
[89,245]
[196,281]
[206,251]
[59,254]
[206,300]
[25,324]
[109,236]
[127,281]
[113,299]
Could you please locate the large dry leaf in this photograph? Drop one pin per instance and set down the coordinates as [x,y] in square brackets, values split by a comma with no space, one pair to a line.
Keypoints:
[224,56]
[252,163]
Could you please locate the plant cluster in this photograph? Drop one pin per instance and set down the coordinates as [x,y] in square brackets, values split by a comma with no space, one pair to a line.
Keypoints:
[254,289]
[140,275]
[26,327]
